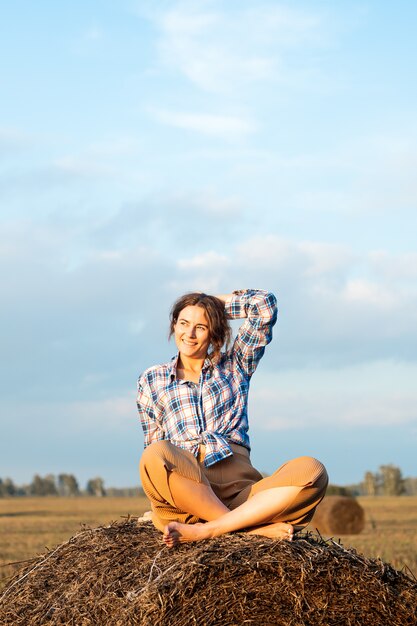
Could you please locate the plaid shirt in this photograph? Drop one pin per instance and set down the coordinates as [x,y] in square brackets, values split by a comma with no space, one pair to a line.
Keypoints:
[213,411]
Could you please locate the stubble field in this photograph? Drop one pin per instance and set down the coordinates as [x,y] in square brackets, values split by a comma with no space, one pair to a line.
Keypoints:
[30,526]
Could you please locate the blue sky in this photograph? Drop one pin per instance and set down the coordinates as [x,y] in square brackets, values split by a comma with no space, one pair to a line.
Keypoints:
[148,149]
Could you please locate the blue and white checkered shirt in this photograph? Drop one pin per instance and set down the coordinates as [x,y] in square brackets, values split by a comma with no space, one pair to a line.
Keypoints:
[213,411]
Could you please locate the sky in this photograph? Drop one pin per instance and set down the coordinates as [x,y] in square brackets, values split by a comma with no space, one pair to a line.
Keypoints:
[148,149]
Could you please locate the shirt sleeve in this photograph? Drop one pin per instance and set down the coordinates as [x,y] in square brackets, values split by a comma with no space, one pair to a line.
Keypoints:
[151,429]
[260,310]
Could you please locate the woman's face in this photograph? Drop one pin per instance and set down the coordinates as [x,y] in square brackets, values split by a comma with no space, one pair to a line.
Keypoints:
[191,332]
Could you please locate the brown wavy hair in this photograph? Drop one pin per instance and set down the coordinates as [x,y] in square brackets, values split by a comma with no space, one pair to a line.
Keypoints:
[220,331]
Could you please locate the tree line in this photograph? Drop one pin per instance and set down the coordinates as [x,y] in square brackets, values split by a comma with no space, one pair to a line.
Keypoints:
[386,481]
[65,485]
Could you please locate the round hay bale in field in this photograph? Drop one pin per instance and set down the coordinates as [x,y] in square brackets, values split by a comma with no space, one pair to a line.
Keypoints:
[123,575]
[339,515]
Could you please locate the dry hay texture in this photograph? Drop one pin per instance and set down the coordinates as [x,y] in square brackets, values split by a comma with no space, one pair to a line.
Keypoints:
[121,575]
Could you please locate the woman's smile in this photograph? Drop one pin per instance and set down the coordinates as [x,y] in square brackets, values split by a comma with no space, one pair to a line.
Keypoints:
[192,334]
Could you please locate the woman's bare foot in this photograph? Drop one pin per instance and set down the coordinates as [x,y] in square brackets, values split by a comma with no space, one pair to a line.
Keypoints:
[278,530]
[176,533]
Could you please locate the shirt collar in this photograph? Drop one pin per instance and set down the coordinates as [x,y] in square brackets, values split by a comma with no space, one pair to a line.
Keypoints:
[172,366]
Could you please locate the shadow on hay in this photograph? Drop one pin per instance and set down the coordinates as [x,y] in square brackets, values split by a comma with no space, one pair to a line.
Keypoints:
[123,575]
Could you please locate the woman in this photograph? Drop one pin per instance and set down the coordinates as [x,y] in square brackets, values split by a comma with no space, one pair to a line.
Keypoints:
[196,469]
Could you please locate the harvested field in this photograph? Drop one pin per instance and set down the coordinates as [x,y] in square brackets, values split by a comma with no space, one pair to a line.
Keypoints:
[121,575]
[29,526]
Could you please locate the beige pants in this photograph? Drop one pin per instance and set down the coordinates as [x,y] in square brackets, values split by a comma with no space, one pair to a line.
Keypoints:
[234,480]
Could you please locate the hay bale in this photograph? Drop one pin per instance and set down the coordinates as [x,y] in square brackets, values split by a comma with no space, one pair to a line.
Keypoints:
[339,515]
[122,575]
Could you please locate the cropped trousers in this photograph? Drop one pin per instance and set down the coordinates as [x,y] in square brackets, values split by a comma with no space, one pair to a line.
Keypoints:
[234,480]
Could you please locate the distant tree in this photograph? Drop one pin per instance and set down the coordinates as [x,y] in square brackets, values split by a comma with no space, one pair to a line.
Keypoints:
[95,487]
[370,484]
[36,486]
[43,486]
[410,486]
[24,490]
[7,488]
[67,485]
[392,480]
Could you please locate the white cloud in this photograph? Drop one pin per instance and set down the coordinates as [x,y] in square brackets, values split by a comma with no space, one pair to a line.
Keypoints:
[369,293]
[222,48]
[115,146]
[216,206]
[193,45]
[209,260]
[99,159]
[219,125]
[312,258]
[367,175]
[12,140]
[373,394]
[82,167]
[325,258]
[208,271]
[264,251]
[107,414]
[400,268]
[334,307]
[174,224]
[336,270]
